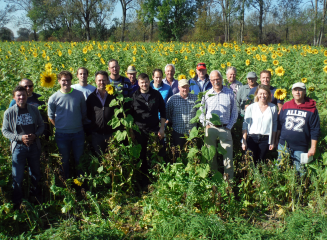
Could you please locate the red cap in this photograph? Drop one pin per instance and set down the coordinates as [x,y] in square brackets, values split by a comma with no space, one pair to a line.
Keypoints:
[201,66]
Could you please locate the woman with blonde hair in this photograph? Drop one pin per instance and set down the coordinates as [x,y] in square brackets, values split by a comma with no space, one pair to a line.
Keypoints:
[260,124]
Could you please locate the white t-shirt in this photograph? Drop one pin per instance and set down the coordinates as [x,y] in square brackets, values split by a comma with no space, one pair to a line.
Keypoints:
[87,90]
[261,121]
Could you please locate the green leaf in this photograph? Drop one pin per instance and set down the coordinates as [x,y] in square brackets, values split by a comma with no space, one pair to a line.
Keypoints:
[120,135]
[198,114]
[189,167]
[194,133]
[197,105]
[128,99]
[192,153]
[113,103]
[114,123]
[120,97]
[107,180]
[220,149]
[100,169]
[135,151]
[203,170]
[215,119]
[208,152]
[117,111]
[218,177]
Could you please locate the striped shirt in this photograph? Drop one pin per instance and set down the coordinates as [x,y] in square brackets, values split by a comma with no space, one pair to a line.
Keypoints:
[223,104]
[180,111]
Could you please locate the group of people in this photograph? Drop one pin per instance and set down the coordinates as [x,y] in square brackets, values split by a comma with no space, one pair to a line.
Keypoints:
[82,108]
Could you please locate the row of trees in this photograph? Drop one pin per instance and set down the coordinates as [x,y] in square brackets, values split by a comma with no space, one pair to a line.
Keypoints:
[259,21]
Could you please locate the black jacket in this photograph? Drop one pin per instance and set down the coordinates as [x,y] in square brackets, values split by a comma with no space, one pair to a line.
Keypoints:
[145,113]
[99,115]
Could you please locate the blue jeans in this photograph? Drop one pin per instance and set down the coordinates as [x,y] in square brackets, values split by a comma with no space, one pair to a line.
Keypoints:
[20,154]
[67,142]
[294,155]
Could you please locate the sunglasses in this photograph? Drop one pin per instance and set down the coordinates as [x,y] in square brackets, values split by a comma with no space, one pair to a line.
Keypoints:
[28,86]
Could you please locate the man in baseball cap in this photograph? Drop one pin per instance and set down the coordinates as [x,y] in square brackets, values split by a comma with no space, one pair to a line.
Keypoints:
[180,110]
[243,92]
[202,78]
[131,74]
[298,126]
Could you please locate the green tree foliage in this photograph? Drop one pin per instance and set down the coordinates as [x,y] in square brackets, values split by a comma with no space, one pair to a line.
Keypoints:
[6,34]
[175,17]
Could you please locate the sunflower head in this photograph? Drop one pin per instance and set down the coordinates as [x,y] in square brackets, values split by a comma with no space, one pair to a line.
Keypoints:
[77,182]
[110,89]
[304,80]
[48,67]
[48,79]
[247,62]
[192,73]
[222,65]
[311,89]
[85,50]
[280,71]
[325,69]
[280,94]
[181,76]
[275,62]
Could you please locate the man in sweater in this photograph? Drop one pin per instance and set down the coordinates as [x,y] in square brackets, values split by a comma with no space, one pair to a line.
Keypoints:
[157,84]
[67,112]
[99,112]
[298,125]
[82,85]
[146,105]
[22,125]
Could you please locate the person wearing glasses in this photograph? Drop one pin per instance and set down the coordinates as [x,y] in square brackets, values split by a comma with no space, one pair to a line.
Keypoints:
[32,97]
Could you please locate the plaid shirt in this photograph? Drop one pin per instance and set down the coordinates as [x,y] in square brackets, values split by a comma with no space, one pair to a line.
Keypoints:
[223,104]
[180,111]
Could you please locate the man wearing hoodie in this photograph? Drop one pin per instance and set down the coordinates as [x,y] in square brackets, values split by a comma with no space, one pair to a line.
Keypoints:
[298,125]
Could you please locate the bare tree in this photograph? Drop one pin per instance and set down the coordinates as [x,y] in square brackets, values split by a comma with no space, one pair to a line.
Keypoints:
[5,15]
[263,7]
[125,4]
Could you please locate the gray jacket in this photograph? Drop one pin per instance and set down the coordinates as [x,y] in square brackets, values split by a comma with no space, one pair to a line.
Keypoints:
[9,125]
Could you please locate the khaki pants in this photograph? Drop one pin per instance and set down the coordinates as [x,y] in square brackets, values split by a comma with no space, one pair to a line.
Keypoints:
[226,141]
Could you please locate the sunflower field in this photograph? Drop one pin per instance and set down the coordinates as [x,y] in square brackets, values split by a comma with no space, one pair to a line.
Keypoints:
[184,201]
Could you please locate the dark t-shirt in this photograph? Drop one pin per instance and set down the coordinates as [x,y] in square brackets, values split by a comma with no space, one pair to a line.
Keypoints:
[145,96]
[24,124]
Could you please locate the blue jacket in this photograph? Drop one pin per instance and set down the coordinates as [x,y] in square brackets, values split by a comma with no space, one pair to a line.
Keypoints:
[206,86]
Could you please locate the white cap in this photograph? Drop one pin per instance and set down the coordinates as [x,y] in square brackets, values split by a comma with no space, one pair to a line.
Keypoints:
[299,85]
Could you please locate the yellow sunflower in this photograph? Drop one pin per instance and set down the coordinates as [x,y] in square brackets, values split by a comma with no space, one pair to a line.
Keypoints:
[304,80]
[59,53]
[311,89]
[110,89]
[228,64]
[35,54]
[202,52]
[271,71]
[325,61]
[325,69]
[192,73]
[181,76]
[247,62]
[48,79]
[280,94]
[99,54]
[48,67]
[325,53]
[69,52]
[280,71]
[275,62]
[77,182]
[85,50]
[185,57]
[273,56]
[102,61]
[222,65]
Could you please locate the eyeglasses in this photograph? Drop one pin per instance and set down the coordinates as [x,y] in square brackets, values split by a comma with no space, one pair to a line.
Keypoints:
[28,86]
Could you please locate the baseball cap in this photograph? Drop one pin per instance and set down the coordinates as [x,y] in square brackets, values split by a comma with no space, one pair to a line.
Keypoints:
[183,82]
[251,75]
[201,66]
[299,85]
[131,69]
